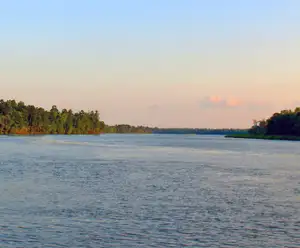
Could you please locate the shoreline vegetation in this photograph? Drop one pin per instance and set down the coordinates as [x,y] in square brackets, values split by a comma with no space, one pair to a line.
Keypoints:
[17,118]
[284,125]
[263,137]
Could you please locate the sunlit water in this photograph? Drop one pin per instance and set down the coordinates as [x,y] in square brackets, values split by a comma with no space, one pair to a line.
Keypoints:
[148,191]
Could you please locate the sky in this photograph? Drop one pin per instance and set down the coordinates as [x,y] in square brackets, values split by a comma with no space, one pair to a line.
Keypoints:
[165,63]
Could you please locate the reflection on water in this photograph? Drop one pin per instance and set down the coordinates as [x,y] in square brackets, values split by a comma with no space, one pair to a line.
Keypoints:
[148,191]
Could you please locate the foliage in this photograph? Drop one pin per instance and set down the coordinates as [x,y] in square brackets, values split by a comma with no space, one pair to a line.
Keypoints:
[285,123]
[18,118]
[262,136]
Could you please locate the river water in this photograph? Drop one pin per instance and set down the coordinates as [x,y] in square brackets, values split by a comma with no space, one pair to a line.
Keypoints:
[148,191]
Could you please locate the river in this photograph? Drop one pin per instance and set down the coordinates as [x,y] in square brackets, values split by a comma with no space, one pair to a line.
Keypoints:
[148,191]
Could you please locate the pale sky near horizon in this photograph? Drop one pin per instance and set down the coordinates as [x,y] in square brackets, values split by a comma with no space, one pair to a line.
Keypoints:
[166,63]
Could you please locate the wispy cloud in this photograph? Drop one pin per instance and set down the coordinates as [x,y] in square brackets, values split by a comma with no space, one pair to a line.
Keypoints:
[235,103]
[219,102]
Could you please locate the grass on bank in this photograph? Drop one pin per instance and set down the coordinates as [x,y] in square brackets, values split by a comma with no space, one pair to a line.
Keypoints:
[261,136]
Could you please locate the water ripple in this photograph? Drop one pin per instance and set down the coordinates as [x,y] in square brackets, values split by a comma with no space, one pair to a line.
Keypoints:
[148,191]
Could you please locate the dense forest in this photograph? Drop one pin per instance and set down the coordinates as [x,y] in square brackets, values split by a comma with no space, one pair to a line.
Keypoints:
[19,118]
[284,123]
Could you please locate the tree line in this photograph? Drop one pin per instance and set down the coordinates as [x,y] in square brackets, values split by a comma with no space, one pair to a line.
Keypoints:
[284,123]
[125,128]
[19,118]
[208,131]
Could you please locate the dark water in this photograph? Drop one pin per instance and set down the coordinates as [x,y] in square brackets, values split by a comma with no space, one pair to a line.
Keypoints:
[148,191]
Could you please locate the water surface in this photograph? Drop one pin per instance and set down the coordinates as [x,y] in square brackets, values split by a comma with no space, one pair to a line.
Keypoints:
[148,191]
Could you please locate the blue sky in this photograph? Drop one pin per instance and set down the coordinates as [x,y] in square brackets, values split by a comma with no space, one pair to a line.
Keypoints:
[125,57]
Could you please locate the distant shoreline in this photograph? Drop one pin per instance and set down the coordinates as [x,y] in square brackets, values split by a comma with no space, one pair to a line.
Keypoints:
[263,137]
[103,133]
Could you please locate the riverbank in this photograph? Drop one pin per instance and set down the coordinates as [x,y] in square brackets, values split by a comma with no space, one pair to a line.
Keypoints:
[264,137]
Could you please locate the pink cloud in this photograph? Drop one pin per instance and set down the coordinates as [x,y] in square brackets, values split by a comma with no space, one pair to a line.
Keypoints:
[217,101]
[231,102]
